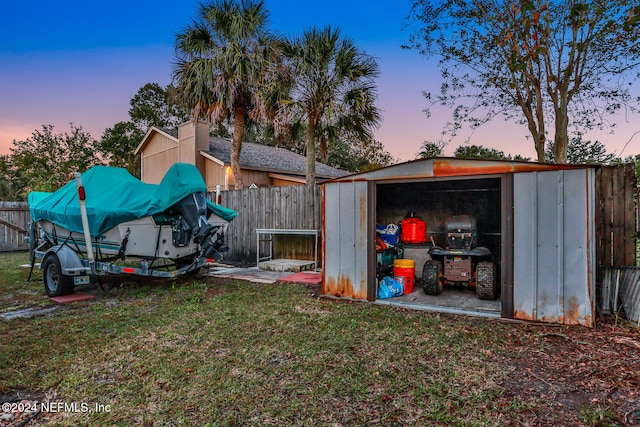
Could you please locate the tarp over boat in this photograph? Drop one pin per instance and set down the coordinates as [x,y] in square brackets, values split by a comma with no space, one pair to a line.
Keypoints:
[114,196]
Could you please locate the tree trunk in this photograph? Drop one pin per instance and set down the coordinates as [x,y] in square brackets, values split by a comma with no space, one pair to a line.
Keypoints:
[537,132]
[539,144]
[539,137]
[236,145]
[534,115]
[324,149]
[310,146]
[561,136]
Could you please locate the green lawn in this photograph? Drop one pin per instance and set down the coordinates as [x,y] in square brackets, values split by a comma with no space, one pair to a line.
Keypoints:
[212,352]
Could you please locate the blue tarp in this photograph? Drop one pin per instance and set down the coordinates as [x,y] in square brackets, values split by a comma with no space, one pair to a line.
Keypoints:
[114,196]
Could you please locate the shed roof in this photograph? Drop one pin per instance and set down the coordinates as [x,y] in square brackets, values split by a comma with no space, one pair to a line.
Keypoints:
[451,167]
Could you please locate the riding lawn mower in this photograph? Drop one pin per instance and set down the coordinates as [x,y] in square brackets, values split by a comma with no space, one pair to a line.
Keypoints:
[462,262]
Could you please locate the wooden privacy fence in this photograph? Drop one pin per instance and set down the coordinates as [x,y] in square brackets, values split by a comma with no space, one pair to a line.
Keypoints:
[616,216]
[14,223]
[292,207]
[274,207]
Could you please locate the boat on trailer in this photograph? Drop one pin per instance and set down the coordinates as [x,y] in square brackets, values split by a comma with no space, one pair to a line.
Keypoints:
[108,222]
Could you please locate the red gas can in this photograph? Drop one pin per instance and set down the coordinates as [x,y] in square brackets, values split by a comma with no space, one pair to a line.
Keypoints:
[413,230]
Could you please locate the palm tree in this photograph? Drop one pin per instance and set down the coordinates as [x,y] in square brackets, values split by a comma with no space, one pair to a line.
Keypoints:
[333,90]
[221,59]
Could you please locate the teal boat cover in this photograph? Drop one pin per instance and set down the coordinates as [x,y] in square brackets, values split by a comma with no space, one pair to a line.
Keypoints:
[114,196]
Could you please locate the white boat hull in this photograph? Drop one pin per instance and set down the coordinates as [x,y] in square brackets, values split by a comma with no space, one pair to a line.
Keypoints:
[144,239]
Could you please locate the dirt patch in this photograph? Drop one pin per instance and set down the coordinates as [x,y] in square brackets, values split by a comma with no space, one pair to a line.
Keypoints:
[218,287]
[21,408]
[314,290]
[29,312]
[558,375]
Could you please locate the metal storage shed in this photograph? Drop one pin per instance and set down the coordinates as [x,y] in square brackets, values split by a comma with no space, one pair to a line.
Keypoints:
[541,218]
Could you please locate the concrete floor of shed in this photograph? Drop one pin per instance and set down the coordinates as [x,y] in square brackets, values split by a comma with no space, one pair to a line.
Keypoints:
[456,300]
[451,300]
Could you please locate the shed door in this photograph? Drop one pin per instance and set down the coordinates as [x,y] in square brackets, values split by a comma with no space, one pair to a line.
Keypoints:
[554,251]
[346,237]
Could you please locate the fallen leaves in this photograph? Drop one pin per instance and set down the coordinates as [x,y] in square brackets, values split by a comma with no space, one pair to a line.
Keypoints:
[581,372]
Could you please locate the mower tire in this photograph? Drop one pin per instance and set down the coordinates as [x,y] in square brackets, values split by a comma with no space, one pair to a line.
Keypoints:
[486,280]
[432,277]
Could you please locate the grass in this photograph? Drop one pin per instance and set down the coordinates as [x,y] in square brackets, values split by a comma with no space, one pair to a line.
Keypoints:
[597,416]
[217,352]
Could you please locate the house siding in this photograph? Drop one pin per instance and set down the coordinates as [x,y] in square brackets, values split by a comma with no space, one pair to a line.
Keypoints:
[255,177]
[157,157]
[283,183]
[193,139]
[214,175]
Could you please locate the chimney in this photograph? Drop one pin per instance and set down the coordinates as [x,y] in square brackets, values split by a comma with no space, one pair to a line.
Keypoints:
[193,137]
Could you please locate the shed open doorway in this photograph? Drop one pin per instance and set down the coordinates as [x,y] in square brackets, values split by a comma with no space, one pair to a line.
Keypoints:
[436,201]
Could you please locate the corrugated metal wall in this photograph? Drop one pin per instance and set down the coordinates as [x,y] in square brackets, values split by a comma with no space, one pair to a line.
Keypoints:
[346,240]
[554,250]
[621,284]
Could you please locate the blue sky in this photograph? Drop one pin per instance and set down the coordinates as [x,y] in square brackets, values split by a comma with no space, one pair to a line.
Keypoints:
[81,62]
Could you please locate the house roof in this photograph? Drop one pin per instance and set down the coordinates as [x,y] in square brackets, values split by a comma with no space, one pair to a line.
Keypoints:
[254,156]
[171,132]
[269,158]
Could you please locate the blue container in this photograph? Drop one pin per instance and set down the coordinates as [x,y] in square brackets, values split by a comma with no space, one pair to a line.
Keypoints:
[388,234]
[391,239]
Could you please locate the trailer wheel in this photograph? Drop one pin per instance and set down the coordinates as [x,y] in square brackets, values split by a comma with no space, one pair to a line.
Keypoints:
[432,277]
[55,283]
[486,280]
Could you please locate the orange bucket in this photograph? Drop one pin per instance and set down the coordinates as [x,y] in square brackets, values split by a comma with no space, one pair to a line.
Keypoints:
[404,271]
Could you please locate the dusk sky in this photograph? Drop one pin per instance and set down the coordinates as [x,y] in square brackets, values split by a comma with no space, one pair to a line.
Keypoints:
[81,63]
